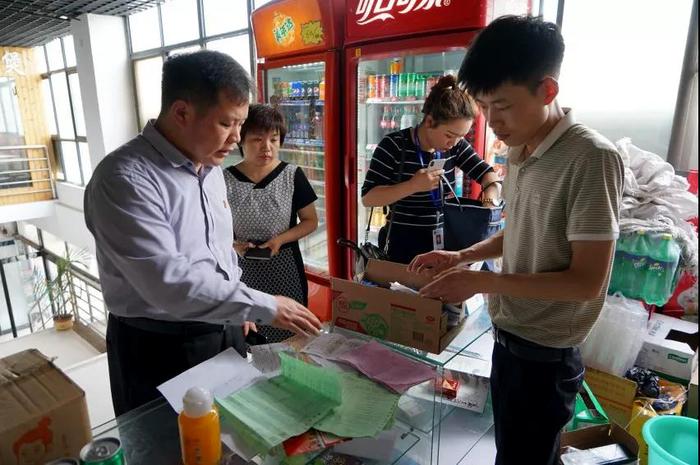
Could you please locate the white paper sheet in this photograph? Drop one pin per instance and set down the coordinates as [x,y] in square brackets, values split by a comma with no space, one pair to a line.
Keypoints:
[222,374]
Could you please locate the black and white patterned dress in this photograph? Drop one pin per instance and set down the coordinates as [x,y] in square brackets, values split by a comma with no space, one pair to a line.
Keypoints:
[260,212]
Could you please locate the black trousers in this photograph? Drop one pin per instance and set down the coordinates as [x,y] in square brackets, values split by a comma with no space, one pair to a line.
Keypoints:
[144,353]
[532,401]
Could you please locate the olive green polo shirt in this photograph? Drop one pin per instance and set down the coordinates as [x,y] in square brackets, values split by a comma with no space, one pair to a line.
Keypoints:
[569,189]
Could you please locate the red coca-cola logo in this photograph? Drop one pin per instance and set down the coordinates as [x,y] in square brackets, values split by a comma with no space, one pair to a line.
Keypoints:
[369,11]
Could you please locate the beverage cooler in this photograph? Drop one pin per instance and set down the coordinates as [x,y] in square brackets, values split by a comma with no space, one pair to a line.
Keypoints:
[394,53]
[298,46]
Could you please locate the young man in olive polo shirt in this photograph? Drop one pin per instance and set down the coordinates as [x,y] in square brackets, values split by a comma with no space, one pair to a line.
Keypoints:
[562,194]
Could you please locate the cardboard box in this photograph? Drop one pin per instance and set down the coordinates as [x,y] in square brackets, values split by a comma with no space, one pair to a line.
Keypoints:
[394,316]
[601,435]
[615,394]
[43,414]
[669,347]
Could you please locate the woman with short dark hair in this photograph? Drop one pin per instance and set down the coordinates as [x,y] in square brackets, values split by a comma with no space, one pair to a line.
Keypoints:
[272,204]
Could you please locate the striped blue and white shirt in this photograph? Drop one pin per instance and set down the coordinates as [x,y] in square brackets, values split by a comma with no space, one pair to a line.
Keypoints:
[418,209]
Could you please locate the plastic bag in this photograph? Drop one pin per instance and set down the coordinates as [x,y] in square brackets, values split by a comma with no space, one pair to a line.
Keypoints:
[616,338]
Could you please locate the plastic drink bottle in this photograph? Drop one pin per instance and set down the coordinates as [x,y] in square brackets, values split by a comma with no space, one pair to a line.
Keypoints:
[200,430]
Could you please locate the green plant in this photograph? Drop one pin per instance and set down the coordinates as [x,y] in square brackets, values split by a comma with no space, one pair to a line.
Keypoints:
[61,289]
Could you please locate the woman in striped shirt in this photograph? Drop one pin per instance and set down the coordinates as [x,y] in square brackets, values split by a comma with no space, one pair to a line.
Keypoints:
[414,192]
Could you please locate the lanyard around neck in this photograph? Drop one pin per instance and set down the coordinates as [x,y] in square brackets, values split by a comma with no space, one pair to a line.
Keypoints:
[435,194]
[437,154]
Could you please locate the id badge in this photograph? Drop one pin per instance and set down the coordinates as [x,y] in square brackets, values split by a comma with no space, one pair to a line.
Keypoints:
[438,239]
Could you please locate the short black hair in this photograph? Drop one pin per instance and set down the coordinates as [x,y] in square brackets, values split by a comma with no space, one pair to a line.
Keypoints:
[200,78]
[263,118]
[520,50]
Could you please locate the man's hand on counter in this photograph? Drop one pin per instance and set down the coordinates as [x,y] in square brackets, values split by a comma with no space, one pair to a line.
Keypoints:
[295,317]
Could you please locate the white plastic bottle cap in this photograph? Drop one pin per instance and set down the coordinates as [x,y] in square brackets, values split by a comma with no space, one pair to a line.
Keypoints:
[197,402]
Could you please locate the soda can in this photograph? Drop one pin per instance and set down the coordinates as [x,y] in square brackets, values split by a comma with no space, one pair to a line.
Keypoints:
[403,85]
[317,89]
[322,90]
[394,86]
[362,88]
[63,461]
[395,67]
[371,86]
[420,87]
[306,89]
[381,86]
[103,451]
[411,85]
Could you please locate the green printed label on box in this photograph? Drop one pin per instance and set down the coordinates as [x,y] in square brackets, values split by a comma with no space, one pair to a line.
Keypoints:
[375,325]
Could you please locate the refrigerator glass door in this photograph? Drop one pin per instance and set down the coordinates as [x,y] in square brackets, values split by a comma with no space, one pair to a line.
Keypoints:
[299,92]
[390,96]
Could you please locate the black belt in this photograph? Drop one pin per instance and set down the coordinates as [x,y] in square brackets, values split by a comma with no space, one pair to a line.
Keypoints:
[528,350]
[172,328]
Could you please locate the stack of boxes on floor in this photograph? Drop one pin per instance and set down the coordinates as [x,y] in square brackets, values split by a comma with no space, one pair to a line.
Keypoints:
[641,356]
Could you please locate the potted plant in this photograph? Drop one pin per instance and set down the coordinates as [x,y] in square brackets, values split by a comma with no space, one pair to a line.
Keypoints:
[61,289]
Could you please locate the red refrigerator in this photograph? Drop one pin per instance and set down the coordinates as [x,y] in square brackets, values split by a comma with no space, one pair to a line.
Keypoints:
[298,46]
[394,51]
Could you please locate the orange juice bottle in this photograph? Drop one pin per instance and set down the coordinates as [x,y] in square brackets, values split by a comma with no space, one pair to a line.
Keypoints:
[200,431]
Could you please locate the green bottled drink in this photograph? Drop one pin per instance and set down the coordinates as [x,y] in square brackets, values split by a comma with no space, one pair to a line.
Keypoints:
[664,256]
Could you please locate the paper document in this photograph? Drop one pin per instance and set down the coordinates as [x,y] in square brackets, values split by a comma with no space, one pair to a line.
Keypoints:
[268,412]
[385,366]
[367,409]
[222,374]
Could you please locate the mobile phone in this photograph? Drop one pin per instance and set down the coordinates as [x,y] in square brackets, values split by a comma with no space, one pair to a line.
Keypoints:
[436,164]
[256,253]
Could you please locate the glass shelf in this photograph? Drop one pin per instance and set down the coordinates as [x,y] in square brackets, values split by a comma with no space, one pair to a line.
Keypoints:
[303,142]
[301,102]
[385,101]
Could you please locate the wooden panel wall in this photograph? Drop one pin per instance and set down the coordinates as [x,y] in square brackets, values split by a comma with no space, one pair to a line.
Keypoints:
[31,104]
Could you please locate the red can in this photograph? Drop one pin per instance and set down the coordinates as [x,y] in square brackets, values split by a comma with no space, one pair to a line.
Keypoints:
[371,86]
[381,86]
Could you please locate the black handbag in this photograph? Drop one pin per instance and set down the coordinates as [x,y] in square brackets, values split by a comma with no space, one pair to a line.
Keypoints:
[468,222]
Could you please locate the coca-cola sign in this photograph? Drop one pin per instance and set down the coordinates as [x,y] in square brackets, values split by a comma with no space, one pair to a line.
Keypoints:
[369,11]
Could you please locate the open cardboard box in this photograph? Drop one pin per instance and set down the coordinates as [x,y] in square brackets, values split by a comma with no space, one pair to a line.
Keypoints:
[601,435]
[670,347]
[398,317]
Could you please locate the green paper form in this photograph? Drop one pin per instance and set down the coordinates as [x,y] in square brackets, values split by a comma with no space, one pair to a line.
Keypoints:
[269,412]
[367,409]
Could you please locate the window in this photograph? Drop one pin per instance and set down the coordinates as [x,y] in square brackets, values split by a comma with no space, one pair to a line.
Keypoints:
[147,73]
[63,109]
[173,27]
[622,75]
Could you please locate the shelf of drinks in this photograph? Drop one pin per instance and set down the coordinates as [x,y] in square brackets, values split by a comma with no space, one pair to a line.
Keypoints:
[302,150]
[393,101]
[301,142]
[306,101]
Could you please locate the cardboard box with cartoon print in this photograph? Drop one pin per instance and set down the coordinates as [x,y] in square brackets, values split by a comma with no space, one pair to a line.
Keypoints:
[394,316]
[43,414]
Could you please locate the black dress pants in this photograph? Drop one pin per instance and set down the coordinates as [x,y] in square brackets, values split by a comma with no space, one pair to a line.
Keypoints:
[532,399]
[143,353]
